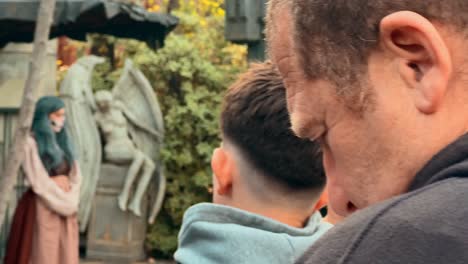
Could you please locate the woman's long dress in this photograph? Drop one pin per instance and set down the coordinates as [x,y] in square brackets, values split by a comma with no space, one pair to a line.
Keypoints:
[41,234]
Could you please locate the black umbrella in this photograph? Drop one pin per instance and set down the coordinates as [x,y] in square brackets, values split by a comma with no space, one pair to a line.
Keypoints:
[76,18]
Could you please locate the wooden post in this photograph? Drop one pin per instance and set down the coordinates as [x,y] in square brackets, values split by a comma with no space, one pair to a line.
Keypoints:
[38,58]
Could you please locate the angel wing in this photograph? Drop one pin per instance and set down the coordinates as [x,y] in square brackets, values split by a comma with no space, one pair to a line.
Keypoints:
[134,91]
[76,92]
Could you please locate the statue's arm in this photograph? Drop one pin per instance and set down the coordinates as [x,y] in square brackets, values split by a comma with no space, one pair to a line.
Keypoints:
[132,119]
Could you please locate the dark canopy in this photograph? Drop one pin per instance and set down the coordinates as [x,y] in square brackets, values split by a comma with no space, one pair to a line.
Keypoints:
[76,18]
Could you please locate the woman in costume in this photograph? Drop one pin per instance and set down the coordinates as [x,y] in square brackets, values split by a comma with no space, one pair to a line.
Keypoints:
[45,226]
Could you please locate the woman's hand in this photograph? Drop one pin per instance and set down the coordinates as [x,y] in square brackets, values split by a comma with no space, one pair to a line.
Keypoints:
[63,182]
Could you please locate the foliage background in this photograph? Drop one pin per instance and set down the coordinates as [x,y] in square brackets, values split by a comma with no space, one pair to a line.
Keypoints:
[189,75]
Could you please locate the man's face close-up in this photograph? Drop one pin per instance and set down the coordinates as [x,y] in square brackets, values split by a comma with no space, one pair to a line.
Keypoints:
[365,158]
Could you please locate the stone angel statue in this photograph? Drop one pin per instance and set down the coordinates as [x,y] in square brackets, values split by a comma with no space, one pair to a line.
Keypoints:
[132,128]
[131,125]
[76,92]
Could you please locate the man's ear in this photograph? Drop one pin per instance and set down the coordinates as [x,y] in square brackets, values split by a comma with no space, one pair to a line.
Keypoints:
[425,63]
[222,165]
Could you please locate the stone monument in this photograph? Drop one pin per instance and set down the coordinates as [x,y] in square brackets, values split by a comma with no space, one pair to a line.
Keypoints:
[128,122]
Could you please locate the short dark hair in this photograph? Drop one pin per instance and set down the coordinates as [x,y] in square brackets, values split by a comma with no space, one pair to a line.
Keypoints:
[255,119]
[334,38]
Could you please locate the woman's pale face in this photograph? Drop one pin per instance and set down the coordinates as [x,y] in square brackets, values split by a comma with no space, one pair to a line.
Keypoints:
[57,120]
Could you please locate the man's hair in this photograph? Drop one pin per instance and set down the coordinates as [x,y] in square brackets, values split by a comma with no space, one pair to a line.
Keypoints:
[255,119]
[334,38]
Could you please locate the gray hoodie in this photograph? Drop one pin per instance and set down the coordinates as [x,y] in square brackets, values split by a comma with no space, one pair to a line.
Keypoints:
[219,234]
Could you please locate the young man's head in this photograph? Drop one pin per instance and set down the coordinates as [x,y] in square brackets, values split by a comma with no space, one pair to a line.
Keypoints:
[261,165]
[381,83]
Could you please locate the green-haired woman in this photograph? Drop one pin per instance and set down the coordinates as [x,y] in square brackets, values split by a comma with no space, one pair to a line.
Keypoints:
[45,227]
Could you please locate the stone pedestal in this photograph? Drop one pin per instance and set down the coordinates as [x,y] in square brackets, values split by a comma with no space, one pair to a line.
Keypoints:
[114,236]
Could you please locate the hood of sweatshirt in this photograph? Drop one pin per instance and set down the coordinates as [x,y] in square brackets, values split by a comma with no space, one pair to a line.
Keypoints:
[213,233]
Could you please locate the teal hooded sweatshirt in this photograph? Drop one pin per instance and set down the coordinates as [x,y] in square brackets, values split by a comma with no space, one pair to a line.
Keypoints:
[217,234]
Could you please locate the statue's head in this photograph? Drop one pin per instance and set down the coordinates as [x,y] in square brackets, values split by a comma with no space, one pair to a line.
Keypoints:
[103,100]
